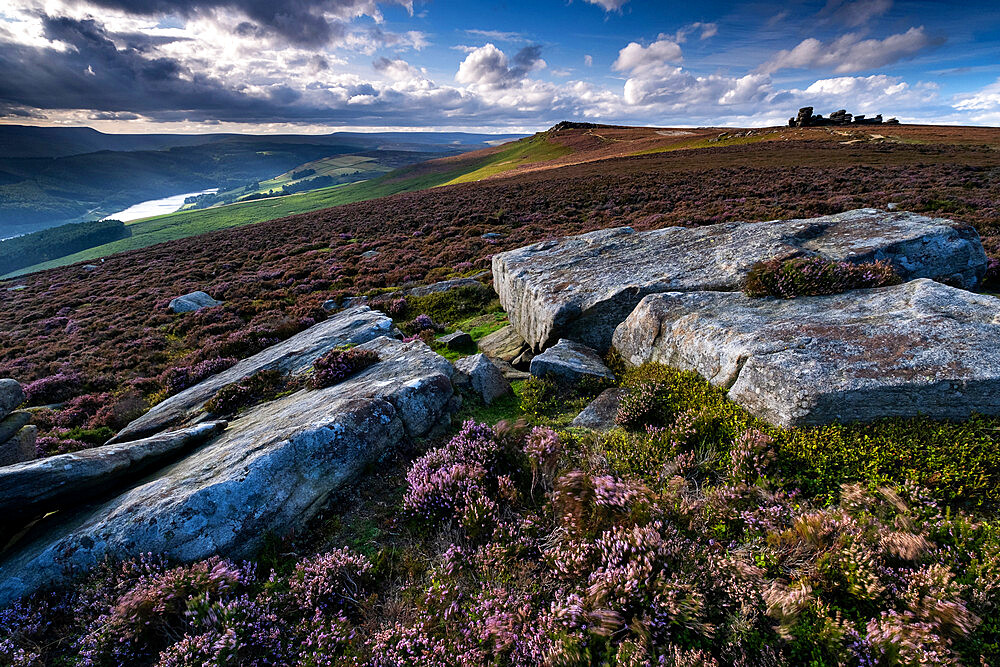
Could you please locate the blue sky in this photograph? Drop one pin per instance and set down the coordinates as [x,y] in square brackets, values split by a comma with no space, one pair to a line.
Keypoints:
[320,65]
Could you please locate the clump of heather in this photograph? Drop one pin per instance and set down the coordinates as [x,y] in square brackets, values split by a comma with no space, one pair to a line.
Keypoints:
[642,405]
[464,480]
[236,395]
[812,276]
[337,365]
[52,389]
[423,322]
[179,378]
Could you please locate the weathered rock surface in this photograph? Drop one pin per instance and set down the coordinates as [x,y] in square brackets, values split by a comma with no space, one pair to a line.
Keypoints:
[295,355]
[31,489]
[600,414]
[13,423]
[570,362]
[482,376]
[921,348]
[269,472]
[11,396]
[458,340]
[582,287]
[191,302]
[504,344]
[21,447]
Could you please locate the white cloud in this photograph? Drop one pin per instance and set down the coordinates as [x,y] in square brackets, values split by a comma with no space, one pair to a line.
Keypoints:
[849,53]
[985,99]
[498,35]
[707,30]
[489,67]
[654,79]
[609,5]
[878,93]
[637,58]
[588,60]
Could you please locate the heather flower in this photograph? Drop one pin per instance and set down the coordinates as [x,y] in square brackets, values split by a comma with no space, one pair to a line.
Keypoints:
[339,364]
[333,580]
[810,276]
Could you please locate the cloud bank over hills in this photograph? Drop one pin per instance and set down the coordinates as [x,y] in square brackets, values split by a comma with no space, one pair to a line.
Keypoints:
[164,65]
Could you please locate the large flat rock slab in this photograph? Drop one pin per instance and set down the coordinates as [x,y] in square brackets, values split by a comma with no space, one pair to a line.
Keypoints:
[920,348]
[582,287]
[295,355]
[268,473]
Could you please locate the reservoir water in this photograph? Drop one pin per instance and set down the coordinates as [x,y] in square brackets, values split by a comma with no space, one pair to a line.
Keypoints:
[155,207]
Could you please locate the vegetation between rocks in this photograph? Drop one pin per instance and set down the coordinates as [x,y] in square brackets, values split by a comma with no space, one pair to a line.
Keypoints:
[815,276]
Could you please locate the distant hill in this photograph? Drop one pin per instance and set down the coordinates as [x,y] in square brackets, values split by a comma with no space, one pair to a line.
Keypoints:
[54,176]
[24,141]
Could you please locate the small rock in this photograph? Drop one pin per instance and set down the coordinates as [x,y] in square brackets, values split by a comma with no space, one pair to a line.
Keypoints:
[892,206]
[512,374]
[330,305]
[523,360]
[17,288]
[458,340]
[11,396]
[370,254]
[482,376]
[570,362]
[492,235]
[13,423]
[192,302]
[20,448]
[601,413]
[89,267]
[505,344]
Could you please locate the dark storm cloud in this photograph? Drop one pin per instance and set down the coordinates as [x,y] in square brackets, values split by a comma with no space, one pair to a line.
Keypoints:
[98,75]
[300,22]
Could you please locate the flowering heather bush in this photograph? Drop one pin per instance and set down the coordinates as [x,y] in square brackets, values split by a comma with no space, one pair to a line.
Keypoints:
[52,389]
[247,391]
[422,322]
[179,378]
[811,276]
[337,365]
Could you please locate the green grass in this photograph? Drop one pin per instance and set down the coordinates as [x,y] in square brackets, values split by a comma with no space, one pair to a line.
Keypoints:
[524,151]
[701,142]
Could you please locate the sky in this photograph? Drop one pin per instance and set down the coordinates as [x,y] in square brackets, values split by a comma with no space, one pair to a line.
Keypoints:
[265,66]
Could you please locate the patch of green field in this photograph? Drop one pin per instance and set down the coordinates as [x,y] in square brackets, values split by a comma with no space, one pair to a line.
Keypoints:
[702,142]
[533,149]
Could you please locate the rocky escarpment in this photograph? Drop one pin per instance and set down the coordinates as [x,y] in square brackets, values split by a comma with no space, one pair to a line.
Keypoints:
[921,348]
[269,472]
[582,287]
